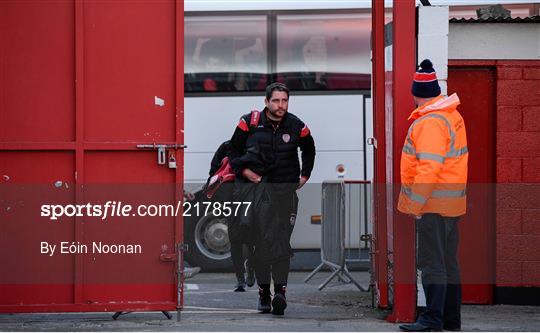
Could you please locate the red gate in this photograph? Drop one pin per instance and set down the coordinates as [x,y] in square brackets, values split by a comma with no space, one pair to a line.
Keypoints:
[84,84]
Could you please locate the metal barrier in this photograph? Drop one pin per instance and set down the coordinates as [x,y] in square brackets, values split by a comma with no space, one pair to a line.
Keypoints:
[334,218]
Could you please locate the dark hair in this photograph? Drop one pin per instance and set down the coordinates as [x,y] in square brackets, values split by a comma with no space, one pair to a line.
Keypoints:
[276,86]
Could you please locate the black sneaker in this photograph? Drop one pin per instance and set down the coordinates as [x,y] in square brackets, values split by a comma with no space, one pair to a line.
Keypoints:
[240,285]
[250,279]
[265,301]
[279,304]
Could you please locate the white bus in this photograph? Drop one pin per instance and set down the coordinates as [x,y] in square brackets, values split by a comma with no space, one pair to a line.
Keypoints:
[230,57]
[233,49]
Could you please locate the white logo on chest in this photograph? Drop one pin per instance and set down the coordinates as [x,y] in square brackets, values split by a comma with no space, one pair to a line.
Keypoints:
[286,138]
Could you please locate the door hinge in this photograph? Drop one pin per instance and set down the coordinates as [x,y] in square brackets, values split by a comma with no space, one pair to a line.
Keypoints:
[168,257]
[181,247]
[372,142]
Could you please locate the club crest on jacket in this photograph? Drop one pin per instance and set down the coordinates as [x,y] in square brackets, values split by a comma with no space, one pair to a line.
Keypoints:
[286,138]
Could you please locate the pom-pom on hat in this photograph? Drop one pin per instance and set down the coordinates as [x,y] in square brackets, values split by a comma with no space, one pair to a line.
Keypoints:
[425,82]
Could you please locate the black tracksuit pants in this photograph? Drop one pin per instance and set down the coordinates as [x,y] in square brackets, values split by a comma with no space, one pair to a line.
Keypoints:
[282,217]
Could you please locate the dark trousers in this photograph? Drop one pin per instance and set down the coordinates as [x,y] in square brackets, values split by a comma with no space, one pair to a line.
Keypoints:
[237,254]
[273,230]
[278,271]
[438,239]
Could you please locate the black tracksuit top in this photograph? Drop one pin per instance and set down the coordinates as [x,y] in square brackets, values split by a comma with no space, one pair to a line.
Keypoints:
[272,152]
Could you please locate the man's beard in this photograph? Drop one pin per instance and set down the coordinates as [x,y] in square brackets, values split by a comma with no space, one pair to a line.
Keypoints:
[275,113]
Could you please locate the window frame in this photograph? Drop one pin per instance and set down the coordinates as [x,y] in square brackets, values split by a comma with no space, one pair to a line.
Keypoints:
[271,47]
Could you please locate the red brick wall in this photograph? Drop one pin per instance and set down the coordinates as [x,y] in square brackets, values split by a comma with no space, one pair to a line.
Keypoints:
[518,165]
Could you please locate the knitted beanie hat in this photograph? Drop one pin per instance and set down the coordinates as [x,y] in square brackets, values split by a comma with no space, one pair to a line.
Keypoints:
[425,82]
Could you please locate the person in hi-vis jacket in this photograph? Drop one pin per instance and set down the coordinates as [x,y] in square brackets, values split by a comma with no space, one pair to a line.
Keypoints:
[433,191]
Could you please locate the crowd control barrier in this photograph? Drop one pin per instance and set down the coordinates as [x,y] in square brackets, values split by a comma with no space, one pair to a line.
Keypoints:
[339,213]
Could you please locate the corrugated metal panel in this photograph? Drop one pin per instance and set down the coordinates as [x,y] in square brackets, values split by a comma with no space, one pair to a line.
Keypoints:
[531,19]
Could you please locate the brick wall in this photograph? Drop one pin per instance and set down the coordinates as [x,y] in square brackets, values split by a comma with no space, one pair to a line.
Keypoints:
[518,173]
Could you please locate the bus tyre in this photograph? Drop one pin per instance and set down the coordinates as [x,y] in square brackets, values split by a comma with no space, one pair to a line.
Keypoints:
[208,243]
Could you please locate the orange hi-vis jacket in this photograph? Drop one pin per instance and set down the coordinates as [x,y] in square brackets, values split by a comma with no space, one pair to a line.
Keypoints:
[434,160]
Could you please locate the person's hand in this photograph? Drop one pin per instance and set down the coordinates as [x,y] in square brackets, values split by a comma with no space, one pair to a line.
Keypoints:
[188,195]
[251,176]
[302,181]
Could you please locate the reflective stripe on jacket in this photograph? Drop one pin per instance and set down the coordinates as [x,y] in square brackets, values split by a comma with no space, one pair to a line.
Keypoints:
[434,160]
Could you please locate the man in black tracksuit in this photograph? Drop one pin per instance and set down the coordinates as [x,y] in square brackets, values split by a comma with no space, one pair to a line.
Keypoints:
[264,156]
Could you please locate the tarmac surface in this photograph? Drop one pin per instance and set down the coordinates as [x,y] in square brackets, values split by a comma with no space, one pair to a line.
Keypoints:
[210,305]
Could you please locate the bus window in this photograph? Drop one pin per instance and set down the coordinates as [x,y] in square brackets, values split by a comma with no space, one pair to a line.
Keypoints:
[225,53]
[324,51]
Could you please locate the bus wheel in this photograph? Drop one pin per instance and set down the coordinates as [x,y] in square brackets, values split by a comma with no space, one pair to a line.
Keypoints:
[208,241]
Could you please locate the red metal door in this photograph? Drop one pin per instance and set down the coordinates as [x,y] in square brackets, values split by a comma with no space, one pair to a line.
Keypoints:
[84,84]
[475,87]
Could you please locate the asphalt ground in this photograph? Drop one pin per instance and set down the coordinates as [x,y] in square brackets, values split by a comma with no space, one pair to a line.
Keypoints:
[211,305]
